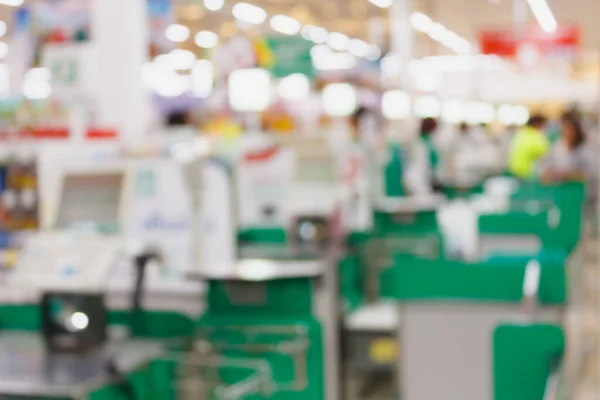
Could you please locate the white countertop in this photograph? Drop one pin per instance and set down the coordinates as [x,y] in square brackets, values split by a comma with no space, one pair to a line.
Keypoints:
[381,316]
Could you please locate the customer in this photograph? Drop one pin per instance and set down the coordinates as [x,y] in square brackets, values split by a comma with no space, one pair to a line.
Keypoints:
[528,146]
[570,158]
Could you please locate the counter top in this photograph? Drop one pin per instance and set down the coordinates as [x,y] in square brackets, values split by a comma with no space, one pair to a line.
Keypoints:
[27,370]
[264,269]
[409,204]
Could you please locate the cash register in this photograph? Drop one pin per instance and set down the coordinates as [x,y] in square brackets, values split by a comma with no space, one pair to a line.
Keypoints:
[68,265]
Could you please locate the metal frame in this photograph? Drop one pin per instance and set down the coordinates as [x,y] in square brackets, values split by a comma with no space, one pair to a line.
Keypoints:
[297,348]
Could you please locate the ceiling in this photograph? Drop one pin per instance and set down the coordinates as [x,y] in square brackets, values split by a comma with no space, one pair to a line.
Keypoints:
[356,18]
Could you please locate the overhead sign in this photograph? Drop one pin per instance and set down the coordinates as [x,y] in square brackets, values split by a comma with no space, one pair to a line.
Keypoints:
[564,43]
[291,56]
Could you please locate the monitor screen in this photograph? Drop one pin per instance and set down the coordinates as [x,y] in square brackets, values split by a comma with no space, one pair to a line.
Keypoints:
[93,198]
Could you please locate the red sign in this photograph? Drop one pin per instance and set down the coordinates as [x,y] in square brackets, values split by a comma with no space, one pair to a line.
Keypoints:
[507,43]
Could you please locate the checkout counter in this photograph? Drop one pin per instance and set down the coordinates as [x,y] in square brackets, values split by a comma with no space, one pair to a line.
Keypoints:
[278,301]
[496,325]
[74,317]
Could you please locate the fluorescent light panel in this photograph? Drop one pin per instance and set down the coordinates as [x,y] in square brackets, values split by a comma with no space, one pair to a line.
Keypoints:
[286,25]
[249,13]
[544,16]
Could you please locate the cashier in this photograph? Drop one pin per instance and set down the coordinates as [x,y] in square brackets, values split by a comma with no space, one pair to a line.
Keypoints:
[528,146]
[570,158]
[420,176]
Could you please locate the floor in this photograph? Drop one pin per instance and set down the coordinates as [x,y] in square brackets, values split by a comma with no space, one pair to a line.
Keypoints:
[590,389]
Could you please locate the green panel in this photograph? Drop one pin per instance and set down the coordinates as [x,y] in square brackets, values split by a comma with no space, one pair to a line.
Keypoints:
[421,222]
[393,173]
[413,279]
[151,324]
[523,358]
[258,298]
[462,192]
[20,317]
[154,324]
[288,367]
[351,282]
[514,223]
[292,56]
[262,236]
[533,205]
[357,238]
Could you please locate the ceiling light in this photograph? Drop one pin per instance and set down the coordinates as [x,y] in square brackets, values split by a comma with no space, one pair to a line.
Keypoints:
[36,90]
[391,66]
[463,47]
[294,87]
[506,114]
[286,25]
[338,41]
[165,82]
[359,48]
[213,5]
[451,40]
[177,33]
[12,3]
[437,32]
[374,53]
[421,22]
[249,13]
[38,74]
[339,99]
[382,3]
[306,31]
[249,90]
[478,112]
[395,104]
[544,16]
[315,33]
[206,39]
[334,62]
[319,50]
[453,111]
[521,115]
[428,107]
[177,59]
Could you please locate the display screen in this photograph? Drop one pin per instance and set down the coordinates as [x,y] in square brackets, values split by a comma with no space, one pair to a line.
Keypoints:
[91,199]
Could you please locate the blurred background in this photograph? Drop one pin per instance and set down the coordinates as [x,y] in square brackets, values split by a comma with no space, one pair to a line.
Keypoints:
[299,200]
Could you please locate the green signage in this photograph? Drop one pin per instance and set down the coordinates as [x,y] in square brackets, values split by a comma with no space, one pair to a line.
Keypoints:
[291,55]
[65,72]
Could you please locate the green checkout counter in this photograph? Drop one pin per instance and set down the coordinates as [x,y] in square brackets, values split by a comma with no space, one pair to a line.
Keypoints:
[280,306]
[405,225]
[465,334]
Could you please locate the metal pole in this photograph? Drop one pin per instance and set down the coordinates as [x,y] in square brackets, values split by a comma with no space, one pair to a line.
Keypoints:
[402,43]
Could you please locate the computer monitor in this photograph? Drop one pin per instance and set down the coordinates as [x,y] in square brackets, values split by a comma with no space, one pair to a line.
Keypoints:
[92,197]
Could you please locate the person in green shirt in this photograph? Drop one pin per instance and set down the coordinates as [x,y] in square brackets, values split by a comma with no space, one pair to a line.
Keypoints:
[529,145]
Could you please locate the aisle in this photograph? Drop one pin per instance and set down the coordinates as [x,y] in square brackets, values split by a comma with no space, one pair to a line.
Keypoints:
[590,389]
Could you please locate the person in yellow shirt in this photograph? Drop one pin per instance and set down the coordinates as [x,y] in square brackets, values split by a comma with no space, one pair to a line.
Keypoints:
[528,146]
